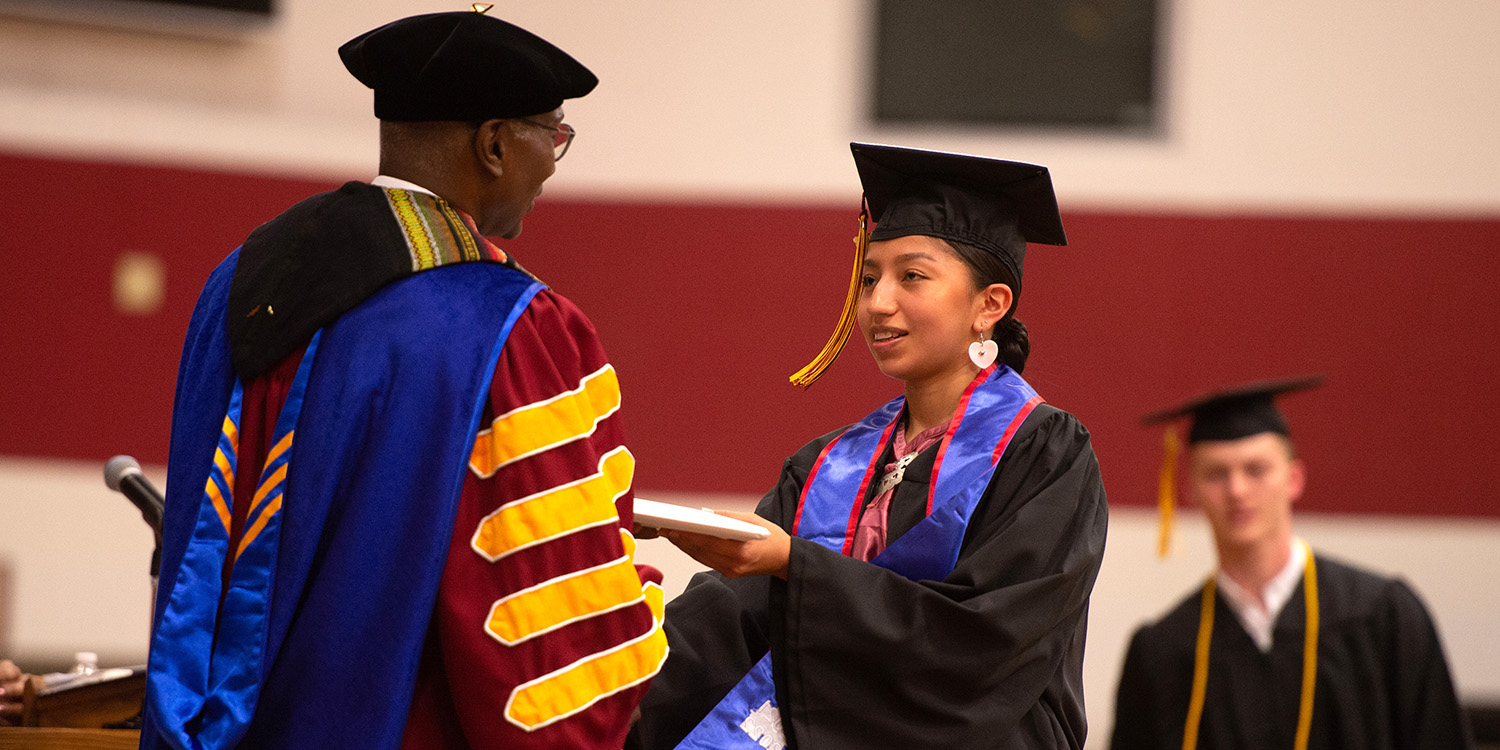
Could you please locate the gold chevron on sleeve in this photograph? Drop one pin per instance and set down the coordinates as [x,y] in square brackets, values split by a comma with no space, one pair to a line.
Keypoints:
[566,599]
[556,696]
[546,424]
[562,510]
[656,598]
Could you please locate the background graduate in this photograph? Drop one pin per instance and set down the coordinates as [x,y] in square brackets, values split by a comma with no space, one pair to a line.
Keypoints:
[1302,650]
[927,578]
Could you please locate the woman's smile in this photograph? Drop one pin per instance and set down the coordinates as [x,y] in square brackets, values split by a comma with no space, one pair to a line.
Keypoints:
[885,338]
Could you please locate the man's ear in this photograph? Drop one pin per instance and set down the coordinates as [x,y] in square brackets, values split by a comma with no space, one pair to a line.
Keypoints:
[1297,479]
[489,151]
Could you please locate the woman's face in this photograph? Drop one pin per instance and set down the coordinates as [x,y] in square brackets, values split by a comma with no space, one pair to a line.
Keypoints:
[918,308]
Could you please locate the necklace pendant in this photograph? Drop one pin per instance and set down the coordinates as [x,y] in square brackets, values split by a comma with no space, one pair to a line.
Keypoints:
[894,476]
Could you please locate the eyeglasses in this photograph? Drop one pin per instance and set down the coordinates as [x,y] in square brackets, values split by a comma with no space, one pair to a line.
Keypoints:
[562,137]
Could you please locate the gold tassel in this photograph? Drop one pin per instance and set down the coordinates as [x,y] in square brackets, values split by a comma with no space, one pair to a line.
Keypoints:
[1166,492]
[807,375]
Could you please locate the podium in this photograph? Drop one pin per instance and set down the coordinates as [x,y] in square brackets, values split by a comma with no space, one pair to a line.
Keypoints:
[71,716]
[61,738]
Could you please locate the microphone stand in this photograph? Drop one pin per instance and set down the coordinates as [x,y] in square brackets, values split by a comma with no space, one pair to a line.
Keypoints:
[123,474]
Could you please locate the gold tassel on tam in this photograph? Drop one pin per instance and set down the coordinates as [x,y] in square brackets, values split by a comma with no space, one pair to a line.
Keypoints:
[807,375]
[1166,492]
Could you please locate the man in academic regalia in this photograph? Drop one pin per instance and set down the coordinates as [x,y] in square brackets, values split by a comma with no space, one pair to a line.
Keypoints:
[1283,647]
[399,501]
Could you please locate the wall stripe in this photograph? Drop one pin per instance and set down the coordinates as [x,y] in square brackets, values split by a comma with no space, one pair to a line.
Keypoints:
[1176,287]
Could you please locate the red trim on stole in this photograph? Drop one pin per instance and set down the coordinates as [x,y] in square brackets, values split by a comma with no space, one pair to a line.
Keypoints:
[864,485]
[958,416]
[858,498]
[1015,424]
[811,475]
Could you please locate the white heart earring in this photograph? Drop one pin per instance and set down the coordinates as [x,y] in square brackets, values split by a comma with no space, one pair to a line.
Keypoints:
[983,352]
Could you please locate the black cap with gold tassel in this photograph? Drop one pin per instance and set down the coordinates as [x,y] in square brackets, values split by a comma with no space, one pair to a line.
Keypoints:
[1166,492]
[1229,414]
[994,205]
[814,369]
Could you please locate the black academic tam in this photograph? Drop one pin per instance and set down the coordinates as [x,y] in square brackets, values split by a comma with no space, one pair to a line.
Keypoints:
[462,66]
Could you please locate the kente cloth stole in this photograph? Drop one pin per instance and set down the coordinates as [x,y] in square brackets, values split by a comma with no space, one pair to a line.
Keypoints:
[991,410]
[436,233]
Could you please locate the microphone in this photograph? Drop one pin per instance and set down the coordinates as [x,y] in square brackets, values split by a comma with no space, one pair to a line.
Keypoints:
[123,475]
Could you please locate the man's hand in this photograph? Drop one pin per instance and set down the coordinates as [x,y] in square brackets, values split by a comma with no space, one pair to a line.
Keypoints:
[12,685]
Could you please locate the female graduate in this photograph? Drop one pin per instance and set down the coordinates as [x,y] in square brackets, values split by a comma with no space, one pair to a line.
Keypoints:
[927,577]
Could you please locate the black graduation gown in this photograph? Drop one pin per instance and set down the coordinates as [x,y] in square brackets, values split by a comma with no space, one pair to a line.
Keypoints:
[1382,680]
[989,657]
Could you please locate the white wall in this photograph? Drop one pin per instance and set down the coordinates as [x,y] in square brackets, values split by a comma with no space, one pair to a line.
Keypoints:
[79,557]
[1339,104]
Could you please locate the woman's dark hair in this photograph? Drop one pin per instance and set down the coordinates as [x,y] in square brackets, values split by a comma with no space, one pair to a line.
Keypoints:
[1010,334]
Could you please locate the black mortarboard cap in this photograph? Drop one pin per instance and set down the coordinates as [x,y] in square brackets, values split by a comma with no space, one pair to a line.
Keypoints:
[1229,414]
[995,205]
[1237,412]
[463,66]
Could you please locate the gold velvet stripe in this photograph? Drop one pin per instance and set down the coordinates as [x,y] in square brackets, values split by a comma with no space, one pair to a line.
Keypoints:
[541,426]
[562,510]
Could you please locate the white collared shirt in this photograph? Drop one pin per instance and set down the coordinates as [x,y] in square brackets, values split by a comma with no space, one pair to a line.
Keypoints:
[387,181]
[1260,623]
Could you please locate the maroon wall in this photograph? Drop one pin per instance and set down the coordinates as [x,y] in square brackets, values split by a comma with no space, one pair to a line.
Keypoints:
[707,308]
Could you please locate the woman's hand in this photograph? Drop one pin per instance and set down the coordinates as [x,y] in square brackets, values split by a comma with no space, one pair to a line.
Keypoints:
[733,558]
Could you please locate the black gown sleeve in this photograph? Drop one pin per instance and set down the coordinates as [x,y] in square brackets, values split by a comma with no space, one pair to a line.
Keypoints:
[1137,713]
[1425,708]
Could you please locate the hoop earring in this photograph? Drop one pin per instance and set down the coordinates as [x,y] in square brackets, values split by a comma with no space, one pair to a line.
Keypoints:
[983,352]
